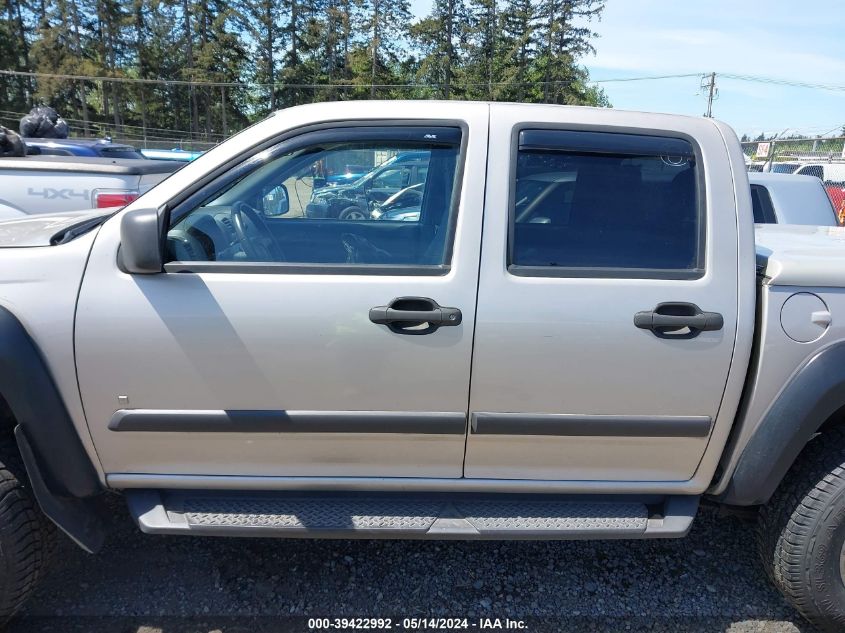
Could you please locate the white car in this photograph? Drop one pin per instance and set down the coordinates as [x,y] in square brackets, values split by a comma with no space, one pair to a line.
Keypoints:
[790,199]
[826,172]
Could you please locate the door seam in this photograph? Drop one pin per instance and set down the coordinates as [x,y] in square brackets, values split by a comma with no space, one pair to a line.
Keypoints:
[477,290]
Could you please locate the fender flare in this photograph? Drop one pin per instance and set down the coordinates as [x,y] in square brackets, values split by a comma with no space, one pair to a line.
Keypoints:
[32,395]
[814,394]
[62,477]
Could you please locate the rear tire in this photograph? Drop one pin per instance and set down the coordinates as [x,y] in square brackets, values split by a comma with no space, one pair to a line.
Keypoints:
[27,537]
[801,533]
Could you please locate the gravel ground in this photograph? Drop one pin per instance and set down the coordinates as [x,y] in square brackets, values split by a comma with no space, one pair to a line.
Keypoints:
[709,581]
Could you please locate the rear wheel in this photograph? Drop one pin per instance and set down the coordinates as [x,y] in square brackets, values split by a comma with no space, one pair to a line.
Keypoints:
[27,537]
[801,533]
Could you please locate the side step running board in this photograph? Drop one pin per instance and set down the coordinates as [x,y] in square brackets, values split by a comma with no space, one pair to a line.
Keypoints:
[390,515]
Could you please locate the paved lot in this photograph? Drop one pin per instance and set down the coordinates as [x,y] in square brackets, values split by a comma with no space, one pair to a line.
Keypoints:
[145,584]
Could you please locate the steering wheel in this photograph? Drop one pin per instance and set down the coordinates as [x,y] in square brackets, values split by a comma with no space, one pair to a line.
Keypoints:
[262,247]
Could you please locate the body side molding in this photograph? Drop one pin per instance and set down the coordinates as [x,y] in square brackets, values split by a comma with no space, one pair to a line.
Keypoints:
[560,424]
[281,421]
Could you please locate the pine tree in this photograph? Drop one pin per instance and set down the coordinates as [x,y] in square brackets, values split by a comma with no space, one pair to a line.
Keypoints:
[15,53]
[260,21]
[383,27]
[481,42]
[565,37]
[221,58]
[518,48]
[439,37]
[296,50]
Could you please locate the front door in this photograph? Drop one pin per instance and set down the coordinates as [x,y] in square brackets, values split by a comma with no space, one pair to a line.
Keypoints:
[296,331]
[607,300]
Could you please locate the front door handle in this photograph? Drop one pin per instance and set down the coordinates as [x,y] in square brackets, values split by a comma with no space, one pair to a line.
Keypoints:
[408,315]
[678,320]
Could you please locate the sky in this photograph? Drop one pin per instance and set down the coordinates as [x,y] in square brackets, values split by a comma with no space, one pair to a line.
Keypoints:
[780,39]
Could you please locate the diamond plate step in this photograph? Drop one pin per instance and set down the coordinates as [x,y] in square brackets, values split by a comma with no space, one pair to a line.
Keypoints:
[313,514]
[391,515]
[580,516]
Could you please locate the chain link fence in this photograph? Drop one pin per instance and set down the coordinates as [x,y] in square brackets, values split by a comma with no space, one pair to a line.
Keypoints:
[139,136]
[786,155]
[822,157]
[196,116]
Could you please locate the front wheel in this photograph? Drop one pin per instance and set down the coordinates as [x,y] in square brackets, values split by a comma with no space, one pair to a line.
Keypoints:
[801,533]
[352,213]
[27,537]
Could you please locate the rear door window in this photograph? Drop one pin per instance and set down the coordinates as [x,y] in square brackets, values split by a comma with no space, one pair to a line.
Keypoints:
[761,202]
[601,204]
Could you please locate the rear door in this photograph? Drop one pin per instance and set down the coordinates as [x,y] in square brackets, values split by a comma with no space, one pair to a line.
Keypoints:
[281,343]
[607,300]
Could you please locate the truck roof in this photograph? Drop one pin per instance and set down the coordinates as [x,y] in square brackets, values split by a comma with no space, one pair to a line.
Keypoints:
[370,107]
[91,164]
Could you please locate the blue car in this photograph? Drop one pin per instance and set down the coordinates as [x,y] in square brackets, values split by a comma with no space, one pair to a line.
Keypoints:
[90,147]
[175,154]
[350,174]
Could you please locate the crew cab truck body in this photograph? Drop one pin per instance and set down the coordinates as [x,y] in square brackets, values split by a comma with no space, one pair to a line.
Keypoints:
[54,184]
[576,338]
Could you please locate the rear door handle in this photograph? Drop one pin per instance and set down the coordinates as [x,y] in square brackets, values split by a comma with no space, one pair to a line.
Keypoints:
[678,320]
[406,315]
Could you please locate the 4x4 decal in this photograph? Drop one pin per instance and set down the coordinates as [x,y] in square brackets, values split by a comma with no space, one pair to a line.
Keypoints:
[49,193]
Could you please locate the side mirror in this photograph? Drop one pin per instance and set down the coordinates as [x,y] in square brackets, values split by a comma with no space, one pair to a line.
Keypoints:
[140,242]
[318,182]
[276,201]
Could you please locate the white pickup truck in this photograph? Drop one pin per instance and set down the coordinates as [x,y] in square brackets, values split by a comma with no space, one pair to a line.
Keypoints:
[51,184]
[790,199]
[575,338]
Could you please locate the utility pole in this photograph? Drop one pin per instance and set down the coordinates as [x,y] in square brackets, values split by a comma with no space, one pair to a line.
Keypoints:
[708,82]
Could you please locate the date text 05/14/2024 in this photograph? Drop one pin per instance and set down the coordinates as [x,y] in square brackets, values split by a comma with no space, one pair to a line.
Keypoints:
[413,624]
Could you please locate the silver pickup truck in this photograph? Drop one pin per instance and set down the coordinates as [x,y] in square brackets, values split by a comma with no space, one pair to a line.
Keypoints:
[575,338]
[57,184]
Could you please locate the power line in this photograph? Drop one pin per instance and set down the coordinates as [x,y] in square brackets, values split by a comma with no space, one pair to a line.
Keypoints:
[250,84]
[347,85]
[784,82]
[646,78]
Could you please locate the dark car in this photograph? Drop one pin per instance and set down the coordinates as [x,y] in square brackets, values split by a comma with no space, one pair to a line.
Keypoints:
[91,147]
[356,200]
